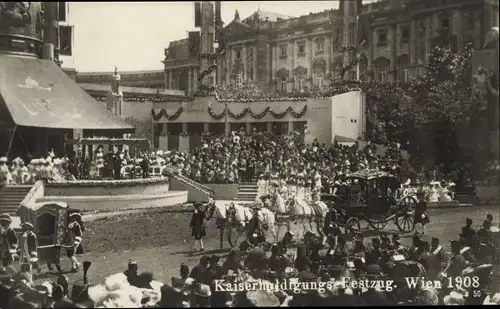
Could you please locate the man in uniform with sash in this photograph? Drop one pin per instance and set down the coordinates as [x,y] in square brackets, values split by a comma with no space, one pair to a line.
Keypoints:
[28,255]
[8,242]
[438,252]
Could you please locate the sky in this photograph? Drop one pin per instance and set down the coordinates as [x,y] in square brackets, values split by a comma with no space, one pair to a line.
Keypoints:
[132,35]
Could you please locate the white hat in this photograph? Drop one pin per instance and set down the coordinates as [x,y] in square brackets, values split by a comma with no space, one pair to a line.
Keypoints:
[3,160]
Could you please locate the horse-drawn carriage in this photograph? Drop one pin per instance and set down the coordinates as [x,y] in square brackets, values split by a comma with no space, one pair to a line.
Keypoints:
[49,220]
[373,196]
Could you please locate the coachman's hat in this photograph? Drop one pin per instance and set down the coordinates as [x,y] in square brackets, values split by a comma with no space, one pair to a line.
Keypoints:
[5,217]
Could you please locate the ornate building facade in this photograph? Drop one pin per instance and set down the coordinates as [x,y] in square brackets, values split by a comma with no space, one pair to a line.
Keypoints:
[146,79]
[385,40]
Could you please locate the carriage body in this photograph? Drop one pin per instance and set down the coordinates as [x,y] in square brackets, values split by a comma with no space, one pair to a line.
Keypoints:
[373,196]
[49,220]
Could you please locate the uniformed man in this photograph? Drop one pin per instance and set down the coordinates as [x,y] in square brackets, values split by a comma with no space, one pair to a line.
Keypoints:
[438,252]
[374,255]
[385,241]
[28,255]
[74,234]
[359,249]
[468,233]
[420,215]
[426,259]
[458,262]
[413,251]
[8,242]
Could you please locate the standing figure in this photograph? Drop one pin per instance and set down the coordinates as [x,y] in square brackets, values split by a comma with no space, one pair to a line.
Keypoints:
[197,226]
[421,211]
[261,188]
[74,234]
[28,255]
[8,242]
[5,175]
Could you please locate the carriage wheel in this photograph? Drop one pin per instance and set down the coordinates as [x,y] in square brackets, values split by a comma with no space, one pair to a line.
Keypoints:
[408,203]
[405,222]
[352,226]
[377,222]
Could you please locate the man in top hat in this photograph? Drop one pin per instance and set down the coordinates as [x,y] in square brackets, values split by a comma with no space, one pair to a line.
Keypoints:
[74,234]
[197,226]
[468,233]
[28,255]
[438,253]
[8,241]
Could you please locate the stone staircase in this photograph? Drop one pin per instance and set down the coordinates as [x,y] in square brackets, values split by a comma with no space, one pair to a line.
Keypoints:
[11,197]
[247,192]
[467,199]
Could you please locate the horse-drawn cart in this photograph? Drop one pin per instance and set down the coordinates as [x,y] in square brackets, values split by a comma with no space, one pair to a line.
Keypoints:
[373,196]
[49,220]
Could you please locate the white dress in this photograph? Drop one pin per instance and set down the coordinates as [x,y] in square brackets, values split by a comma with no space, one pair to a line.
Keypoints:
[261,189]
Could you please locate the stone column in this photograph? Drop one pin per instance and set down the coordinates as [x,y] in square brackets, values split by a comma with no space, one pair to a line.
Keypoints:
[254,63]
[184,127]
[428,36]
[309,51]
[328,56]
[292,67]
[228,64]
[413,42]
[269,126]
[165,77]
[248,127]
[195,79]
[290,126]
[393,47]
[169,79]
[456,26]
[477,31]
[435,24]
[189,81]
[206,126]
[273,61]
[244,57]
[371,43]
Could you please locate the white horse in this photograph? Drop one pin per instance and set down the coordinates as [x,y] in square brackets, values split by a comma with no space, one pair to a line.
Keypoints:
[237,216]
[306,215]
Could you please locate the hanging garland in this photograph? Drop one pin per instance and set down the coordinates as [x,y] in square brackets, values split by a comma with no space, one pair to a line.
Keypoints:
[163,113]
[260,115]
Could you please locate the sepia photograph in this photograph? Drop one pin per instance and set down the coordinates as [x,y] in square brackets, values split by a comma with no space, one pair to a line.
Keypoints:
[199,154]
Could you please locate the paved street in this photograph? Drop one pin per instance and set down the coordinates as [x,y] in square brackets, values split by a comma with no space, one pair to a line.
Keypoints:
[165,261]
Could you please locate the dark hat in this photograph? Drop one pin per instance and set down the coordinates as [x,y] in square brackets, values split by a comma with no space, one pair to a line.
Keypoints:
[205,259]
[383,236]
[395,236]
[373,270]
[376,241]
[435,240]
[455,244]
[198,204]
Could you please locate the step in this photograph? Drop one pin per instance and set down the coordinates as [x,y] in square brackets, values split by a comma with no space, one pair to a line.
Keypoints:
[247,186]
[248,190]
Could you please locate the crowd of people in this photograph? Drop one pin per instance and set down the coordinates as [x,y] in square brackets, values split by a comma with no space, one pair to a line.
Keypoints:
[240,158]
[303,272]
